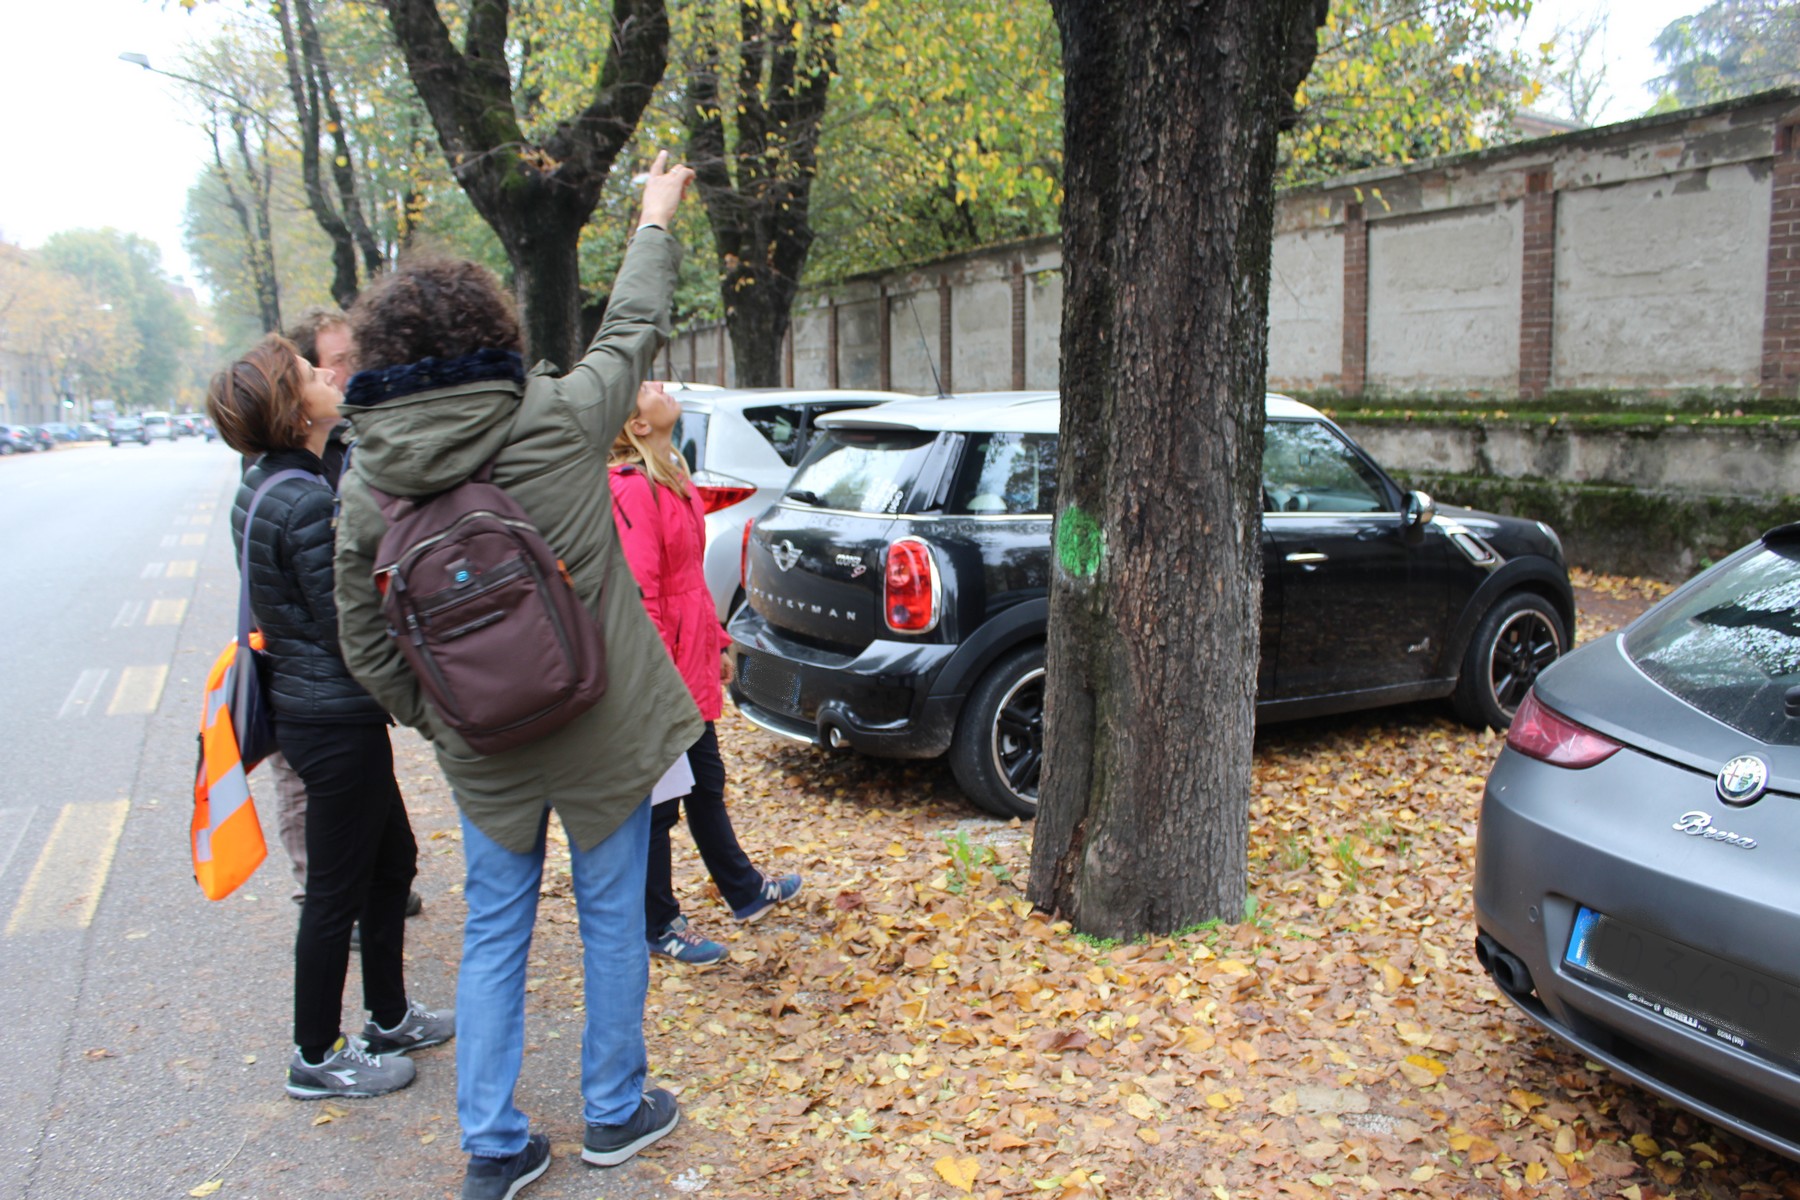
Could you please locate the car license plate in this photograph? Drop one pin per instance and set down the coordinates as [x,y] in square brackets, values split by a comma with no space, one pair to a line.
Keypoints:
[1690,987]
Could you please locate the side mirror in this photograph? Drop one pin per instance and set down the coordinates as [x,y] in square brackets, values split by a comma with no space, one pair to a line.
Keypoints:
[1420,510]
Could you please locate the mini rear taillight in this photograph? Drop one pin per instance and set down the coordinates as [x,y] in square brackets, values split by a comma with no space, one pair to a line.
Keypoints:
[744,556]
[1544,734]
[910,587]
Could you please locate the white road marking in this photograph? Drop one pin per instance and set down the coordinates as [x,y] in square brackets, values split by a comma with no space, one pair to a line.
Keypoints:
[193,539]
[12,831]
[81,696]
[64,887]
[129,612]
[170,540]
[153,570]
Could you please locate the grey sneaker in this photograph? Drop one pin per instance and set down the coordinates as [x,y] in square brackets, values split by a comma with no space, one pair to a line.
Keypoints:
[348,1072]
[419,1028]
[504,1178]
[682,944]
[610,1145]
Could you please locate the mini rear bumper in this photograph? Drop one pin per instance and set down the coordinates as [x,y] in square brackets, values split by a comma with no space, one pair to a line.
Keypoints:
[1553,841]
[878,701]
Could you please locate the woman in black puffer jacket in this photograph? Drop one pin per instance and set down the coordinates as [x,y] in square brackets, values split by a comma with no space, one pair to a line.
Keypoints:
[361,856]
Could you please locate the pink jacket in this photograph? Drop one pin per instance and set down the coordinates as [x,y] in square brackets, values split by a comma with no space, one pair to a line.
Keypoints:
[665,538]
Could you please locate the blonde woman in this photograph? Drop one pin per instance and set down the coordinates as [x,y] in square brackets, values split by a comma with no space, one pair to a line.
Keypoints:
[661,525]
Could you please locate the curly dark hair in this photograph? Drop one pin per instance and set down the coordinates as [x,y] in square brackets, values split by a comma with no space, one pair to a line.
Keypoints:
[432,308]
[257,403]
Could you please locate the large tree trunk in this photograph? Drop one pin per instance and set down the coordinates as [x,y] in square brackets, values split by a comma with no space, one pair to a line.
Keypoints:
[758,195]
[1170,117]
[547,280]
[536,196]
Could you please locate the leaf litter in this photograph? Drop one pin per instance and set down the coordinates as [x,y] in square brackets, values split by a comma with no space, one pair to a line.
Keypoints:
[911,1027]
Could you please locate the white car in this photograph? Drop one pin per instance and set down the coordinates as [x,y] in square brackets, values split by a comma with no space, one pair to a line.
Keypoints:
[158,425]
[742,446]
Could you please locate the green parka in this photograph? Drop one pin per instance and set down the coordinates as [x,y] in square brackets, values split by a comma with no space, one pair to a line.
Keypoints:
[552,437]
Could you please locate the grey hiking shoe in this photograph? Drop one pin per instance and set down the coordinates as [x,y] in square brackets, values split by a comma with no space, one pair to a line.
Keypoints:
[504,1178]
[610,1145]
[348,1072]
[419,1028]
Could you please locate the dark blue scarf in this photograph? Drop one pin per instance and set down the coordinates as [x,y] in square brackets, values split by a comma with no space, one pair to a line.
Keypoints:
[369,388]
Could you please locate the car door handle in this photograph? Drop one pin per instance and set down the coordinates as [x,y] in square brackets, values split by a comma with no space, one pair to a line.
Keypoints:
[1309,556]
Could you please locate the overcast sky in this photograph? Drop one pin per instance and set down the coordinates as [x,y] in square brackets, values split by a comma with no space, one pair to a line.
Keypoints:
[90,141]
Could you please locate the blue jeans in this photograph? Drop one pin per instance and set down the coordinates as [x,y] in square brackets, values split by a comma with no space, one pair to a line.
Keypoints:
[502,893]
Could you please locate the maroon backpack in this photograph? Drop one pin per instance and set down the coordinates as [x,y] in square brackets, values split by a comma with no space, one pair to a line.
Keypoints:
[486,614]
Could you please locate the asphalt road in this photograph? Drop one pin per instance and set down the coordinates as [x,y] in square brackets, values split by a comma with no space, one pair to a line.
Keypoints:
[146,1030]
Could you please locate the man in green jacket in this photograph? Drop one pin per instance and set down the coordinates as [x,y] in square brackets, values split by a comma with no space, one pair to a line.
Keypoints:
[442,390]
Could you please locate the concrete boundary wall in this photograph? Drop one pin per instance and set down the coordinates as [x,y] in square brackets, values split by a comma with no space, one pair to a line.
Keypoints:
[1653,258]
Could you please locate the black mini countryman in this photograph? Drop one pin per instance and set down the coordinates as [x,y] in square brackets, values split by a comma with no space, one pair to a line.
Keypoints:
[898,594]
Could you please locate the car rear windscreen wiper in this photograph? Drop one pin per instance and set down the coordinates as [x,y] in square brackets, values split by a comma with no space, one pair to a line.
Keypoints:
[804,497]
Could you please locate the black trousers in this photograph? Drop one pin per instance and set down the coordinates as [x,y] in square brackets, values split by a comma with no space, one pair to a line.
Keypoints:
[360,863]
[710,824]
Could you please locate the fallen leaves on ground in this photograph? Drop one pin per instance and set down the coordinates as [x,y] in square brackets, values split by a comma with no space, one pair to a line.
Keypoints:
[910,1026]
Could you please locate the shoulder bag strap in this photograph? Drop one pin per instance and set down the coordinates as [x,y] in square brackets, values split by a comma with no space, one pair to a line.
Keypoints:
[243,630]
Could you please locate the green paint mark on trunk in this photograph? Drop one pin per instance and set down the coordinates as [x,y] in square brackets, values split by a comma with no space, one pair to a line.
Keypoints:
[1080,543]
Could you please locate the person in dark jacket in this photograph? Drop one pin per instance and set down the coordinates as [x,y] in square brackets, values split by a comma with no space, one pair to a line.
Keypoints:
[361,856]
[321,334]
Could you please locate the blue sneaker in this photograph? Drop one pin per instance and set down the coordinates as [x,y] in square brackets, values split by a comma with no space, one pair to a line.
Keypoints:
[682,944]
[774,890]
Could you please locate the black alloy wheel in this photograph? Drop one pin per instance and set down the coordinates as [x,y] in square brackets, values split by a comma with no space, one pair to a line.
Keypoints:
[1516,641]
[998,753]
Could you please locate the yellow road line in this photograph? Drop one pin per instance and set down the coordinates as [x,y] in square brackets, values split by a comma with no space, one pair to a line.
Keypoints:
[182,568]
[139,691]
[193,539]
[166,612]
[66,881]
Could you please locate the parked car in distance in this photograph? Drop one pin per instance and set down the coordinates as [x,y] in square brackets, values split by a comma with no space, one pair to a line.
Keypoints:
[1635,890]
[204,425]
[899,592]
[43,436]
[60,431]
[742,446]
[185,424]
[87,431]
[16,439]
[158,425]
[128,429]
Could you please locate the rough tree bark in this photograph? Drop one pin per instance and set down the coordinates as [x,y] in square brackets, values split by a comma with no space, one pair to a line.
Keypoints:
[1171,113]
[536,196]
[316,105]
[761,219]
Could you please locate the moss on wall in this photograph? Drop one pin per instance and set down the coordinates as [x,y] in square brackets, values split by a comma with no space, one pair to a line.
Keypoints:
[1710,404]
[1625,531]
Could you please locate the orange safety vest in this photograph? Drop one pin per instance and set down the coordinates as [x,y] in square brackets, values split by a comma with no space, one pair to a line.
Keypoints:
[227,838]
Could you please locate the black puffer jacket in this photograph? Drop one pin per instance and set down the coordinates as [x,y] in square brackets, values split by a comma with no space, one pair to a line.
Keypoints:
[291,594]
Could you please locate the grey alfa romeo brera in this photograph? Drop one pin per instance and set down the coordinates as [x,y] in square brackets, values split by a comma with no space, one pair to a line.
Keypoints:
[1637,875]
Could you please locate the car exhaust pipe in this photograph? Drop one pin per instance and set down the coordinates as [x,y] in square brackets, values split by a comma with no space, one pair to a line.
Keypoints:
[1507,968]
[835,739]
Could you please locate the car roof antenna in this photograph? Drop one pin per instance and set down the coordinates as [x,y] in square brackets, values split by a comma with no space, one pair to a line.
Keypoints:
[925,348]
